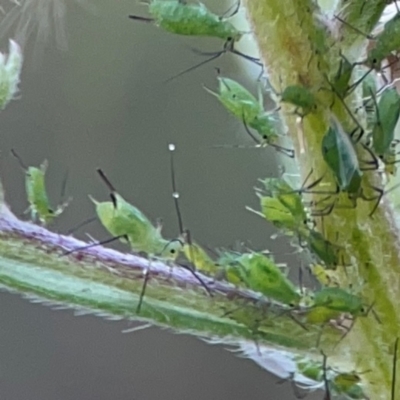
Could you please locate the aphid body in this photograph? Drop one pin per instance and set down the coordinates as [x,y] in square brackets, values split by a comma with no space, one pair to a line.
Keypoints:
[386,117]
[200,259]
[386,42]
[35,186]
[338,299]
[260,273]
[125,221]
[245,107]
[300,97]
[339,153]
[190,19]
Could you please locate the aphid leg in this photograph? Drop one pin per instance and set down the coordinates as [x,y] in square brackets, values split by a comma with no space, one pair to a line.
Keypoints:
[374,162]
[146,273]
[288,152]
[394,370]
[235,9]
[325,377]
[379,196]
[81,225]
[113,239]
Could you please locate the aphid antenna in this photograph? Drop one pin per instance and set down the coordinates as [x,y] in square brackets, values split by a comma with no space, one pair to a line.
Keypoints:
[352,27]
[184,233]
[81,225]
[175,193]
[106,180]
[100,243]
[19,159]
[394,368]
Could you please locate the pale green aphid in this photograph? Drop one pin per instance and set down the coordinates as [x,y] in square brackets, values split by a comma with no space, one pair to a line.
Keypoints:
[35,186]
[325,250]
[127,223]
[301,97]
[238,100]
[245,107]
[282,206]
[342,77]
[189,19]
[260,273]
[200,259]
[386,42]
[347,384]
[387,112]
[338,299]
[339,153]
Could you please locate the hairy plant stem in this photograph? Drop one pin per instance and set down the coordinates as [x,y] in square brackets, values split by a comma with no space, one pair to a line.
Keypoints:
[285,31]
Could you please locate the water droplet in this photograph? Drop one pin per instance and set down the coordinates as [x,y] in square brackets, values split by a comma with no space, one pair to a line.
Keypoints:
[175,195]
[171,147]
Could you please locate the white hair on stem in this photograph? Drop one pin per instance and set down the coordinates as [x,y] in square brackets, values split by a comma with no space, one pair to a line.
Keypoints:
[41,19]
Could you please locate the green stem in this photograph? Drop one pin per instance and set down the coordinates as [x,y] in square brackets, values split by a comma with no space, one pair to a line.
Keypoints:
[285,33]
[105,281]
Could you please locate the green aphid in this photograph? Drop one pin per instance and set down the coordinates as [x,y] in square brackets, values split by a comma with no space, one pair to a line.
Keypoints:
[260,273]
[386,42]
[348,384]
[127,223]
[301,97]
[190,19]
[339,153]
[310,369]
[338,299]
[245,107]
[387,113]
[342,78]
[283,206]
[323,249]
[39,205]
[238,100]
[200,259]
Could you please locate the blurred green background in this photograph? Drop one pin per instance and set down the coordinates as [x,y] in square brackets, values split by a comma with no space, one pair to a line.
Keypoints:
[104,103]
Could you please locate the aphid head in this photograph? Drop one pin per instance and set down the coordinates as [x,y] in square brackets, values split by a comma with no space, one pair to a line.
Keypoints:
[172,249]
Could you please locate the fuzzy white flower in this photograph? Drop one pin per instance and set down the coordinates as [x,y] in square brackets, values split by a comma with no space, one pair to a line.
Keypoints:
[10,70]
[41,18]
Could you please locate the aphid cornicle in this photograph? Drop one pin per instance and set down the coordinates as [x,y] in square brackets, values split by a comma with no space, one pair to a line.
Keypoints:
[189,19]
[39,205]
